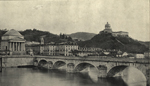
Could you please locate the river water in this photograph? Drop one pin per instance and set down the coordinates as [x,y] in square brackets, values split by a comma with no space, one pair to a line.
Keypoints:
[37,77]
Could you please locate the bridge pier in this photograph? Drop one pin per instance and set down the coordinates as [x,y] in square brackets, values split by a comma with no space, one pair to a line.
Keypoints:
[102,71]
[35,63]
[102,74]
[49,65]
[70,68]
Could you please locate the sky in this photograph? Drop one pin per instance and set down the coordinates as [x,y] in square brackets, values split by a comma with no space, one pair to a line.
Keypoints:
[70,16]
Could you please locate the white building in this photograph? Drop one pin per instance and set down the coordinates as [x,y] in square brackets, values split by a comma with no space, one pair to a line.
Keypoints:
[139,55]
[125,54]
[120,33]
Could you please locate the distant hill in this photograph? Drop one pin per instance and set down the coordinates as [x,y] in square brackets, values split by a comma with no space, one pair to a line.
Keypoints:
[82,35]
[107,41]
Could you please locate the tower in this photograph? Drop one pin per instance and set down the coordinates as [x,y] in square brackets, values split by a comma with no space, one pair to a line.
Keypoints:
[42,40]
[42,45]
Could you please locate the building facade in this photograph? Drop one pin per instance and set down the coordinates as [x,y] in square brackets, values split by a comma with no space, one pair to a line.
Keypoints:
[120,33]
[50,50]
[13,42]
[59,49]
[147,54]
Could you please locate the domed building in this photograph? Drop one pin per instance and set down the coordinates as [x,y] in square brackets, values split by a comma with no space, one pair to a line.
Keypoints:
[13,42]
[107,28]
[115,34]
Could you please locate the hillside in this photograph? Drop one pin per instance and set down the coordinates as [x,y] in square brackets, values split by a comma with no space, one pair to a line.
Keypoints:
[34,35]
[107,41]
[82,35]
[147,43]
[2,32]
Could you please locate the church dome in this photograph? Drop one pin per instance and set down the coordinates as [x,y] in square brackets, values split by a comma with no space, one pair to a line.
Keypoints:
[12,32]
[107,25]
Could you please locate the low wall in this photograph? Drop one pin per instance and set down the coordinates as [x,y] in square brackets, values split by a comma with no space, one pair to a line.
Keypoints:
[14,62]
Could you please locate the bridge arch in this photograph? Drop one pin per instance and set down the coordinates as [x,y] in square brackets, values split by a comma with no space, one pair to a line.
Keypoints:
[128,73]
[58,64]
[42,63]
[81,66]
[116,69]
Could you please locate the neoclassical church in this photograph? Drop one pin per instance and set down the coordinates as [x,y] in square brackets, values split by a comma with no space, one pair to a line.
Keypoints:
[13,42]
[108,29]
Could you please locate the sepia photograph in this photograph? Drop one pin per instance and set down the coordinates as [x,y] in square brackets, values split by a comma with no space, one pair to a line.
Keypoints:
[74,42]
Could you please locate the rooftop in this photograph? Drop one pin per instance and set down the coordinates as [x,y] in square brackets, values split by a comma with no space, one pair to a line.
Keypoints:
[12,32]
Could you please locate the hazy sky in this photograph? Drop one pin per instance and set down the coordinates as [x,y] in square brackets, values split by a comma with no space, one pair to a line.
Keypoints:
[70,16]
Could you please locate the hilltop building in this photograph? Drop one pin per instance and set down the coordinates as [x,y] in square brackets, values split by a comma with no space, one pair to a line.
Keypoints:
[120,33]
[108,29]
[13,42]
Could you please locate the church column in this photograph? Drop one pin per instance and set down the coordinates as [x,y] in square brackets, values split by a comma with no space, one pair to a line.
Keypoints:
[20,46]
[16,46]
[13,46]
[10,46]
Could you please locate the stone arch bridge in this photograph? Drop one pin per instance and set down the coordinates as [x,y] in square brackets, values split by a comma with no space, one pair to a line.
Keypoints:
[106,68]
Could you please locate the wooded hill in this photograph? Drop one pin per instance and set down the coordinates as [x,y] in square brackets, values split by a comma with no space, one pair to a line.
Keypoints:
[107,41]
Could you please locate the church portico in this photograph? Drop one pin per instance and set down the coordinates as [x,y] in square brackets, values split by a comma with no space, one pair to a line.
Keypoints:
[15,46]
[13,42]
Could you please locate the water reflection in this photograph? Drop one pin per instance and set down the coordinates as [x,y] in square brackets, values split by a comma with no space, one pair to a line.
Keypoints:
[114,81]
[36,77]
